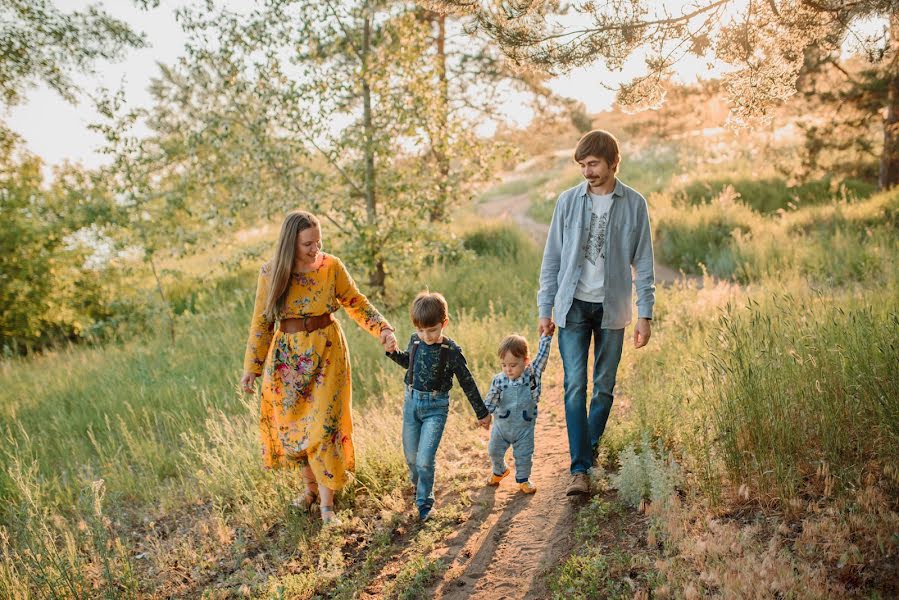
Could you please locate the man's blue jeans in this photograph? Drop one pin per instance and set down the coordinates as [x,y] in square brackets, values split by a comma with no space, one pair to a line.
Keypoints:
[582,323]
[424,417]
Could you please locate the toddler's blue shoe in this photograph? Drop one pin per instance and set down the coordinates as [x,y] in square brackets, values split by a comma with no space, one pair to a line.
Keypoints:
[424,514]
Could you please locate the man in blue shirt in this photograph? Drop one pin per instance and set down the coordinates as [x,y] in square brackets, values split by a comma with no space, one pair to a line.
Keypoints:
[599,232]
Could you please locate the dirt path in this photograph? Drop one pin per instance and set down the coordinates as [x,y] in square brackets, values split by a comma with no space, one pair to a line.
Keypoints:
[512,540]
[515,208]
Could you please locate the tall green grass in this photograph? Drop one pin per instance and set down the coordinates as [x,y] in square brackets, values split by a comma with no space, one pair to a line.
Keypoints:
[831,244]
[771,194]
[762,387]
[806,380]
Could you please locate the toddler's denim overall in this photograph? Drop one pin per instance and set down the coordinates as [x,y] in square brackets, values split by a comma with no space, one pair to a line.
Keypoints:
[513,424]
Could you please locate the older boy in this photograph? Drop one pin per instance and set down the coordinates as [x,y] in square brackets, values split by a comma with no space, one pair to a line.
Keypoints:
[599,231]
[430,361]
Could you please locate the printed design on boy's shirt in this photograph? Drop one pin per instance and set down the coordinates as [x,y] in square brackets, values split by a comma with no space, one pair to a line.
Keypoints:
[426,378]
[597,239]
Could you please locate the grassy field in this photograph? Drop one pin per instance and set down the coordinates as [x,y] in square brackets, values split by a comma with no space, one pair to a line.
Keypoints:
[105,443]
[760,437]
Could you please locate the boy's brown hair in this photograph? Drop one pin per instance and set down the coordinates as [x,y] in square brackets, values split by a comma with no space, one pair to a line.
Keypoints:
[428,309]
[598,143]
[515,344]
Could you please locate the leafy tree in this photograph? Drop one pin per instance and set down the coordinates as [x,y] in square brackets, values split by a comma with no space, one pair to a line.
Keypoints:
[46,293]
[330,106]
[765,41]
[38,42]
[843,136]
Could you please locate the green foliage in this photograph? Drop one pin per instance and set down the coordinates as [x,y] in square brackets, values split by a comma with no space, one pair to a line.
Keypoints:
[43,44]
[594,574]
[691,238]
[499,241]
[772,194]
[774,385]
[46,293]
[35,559]
[831,244]
[801,382]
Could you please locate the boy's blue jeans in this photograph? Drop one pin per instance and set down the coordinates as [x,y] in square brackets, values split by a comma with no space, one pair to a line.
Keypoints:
[582,324]
[424,417]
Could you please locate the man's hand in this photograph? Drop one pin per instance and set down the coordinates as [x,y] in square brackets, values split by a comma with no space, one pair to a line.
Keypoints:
[388,340]
[485,422]
[642,332]
[546,326]
[246,382]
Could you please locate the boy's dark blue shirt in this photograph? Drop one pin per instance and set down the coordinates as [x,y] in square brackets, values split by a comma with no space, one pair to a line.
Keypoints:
[426,378]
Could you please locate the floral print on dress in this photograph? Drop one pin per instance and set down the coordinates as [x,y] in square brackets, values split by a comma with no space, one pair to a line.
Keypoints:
[305,414]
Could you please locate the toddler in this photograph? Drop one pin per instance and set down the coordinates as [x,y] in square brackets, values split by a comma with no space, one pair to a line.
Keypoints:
[512,400]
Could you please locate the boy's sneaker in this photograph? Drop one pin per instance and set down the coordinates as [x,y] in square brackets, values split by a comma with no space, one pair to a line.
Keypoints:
[579,486]
[527,487]
[424,514]
[495,479]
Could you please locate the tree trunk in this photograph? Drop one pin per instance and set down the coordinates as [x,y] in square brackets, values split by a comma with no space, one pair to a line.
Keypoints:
[165,301]
[441,118]
[378,273]
[889,161]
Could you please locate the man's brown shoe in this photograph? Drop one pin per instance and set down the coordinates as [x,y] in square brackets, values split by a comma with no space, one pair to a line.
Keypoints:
[579,486]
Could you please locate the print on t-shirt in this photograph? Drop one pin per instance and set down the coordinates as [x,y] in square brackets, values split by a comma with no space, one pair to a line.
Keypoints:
[596,240]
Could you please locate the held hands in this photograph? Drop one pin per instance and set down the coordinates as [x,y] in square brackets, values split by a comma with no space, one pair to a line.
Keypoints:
[546,326]
[388,340]
[642,332]
[246,382]
[485,422]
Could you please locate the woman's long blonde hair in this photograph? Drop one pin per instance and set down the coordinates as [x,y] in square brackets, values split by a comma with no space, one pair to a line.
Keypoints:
[282,263]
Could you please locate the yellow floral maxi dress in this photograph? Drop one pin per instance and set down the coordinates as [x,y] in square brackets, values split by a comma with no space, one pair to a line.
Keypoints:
[306,385]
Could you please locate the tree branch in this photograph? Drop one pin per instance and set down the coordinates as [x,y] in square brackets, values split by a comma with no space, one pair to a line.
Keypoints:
[343,28]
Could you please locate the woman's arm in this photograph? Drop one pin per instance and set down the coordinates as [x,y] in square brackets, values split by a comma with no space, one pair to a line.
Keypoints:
[357,305]
[261,330]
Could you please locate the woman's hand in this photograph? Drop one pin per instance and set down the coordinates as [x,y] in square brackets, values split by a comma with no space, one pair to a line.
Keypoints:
[246,382]
[388,340]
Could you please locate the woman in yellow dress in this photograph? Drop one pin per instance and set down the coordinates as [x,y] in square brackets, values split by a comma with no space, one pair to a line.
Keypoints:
[306,420]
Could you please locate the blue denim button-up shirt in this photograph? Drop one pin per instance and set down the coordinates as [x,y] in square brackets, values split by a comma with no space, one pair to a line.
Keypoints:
[628,244]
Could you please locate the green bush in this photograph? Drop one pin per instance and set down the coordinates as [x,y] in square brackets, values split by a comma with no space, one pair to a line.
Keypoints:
[500,241]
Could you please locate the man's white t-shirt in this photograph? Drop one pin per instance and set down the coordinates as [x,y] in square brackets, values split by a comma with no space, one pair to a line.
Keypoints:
[590,285]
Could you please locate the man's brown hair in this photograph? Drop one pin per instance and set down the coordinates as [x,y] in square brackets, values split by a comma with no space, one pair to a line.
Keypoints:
[515,344]
[428,309]
[600,144]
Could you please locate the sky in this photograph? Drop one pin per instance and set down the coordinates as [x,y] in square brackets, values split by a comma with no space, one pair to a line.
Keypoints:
[58,131]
